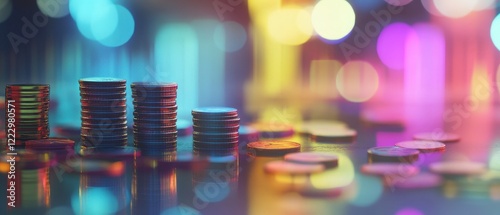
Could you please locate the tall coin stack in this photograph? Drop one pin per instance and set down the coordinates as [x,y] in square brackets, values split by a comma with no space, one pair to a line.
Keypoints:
[104,112]
[215,129]
[31,106]
[155,116]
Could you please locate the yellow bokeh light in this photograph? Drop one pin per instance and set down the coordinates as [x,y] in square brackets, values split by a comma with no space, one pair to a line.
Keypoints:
[333,19]
[455,8]
[338,177]
[290,25]
[322,78]
[357,81]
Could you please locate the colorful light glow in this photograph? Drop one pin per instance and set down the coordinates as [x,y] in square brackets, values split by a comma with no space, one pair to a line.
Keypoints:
[368,191]
[212,62]
[290,25]
[391,45]
[81,11]
[357,81]
[424,70]
[53,8]
[398,2]
[123,31]
[104,21]
[101,20]
[430,7]
[5,10]
[230,36]
[94,201]
[409,211]
[485,4]
[333,19]
[494,161]
[176,56]
[322,78]
[339,177]
[495,31]
[455,8]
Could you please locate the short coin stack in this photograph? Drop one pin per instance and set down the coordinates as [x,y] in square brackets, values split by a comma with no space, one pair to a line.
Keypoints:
[104,112]
[215,129]
[31,106]
[155,116]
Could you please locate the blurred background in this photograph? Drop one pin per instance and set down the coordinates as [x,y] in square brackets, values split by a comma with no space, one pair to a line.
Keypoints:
[301,58]
[413,65]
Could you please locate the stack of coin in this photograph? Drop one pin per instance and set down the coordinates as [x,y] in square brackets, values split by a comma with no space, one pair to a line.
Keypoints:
[215,129]
[31,111]
[104,112]
[155,116]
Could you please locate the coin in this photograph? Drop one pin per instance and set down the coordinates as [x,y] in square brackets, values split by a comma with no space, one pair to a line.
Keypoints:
[51,143]
[28,87]
[423,145]
[437,136]
[248,134]
[327,135]
[214,123]
[289,168]
[272,148]
[31,105]
[217,112]
[328,160]
[419,181]
[392,169]
[111,153]
[392,154]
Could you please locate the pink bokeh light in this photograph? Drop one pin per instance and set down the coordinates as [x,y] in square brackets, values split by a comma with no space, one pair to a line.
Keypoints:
[409,211]
[391,45]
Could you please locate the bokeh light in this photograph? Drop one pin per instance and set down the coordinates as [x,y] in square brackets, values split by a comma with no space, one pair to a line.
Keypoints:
[391,45]
[230,36]
[322,78]
[357,81]
[495,31]
[94,201]
[485,4]
[124,29]
[290,25]
[398,2]
[333,19]
[54,8]
[455,8]
[430,7]
[341,176]
[368,190]
[5,10]
[101,20]
[409,211]
[82,12]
